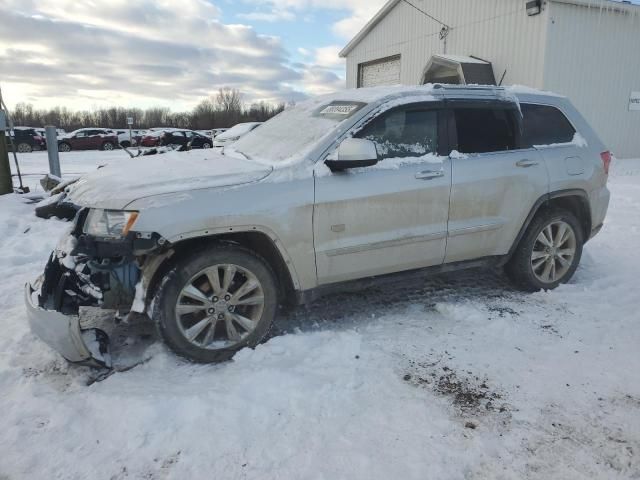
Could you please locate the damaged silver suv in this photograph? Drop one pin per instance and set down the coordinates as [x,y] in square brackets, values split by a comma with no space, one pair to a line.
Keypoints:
[358,187]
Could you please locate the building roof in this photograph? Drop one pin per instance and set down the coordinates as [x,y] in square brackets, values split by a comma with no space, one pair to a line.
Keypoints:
[610,5]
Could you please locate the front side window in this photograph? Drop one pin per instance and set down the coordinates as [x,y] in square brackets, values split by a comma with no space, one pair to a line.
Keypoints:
[485,129]
[544,125]
[403,133]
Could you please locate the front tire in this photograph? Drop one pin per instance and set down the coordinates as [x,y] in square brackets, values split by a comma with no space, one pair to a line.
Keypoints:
[107,146]
[216,302]
[64,147]
[549,253]
[24,147]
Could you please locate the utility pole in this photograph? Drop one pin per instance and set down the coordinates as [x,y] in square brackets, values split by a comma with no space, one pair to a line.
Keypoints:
[6,185]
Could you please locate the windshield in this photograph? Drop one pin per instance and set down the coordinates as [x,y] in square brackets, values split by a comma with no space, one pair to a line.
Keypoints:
[290,135]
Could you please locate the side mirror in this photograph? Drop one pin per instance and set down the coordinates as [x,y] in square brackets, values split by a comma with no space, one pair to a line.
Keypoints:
[354,153]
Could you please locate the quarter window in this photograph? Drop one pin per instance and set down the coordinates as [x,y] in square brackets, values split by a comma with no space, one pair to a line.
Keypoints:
[544,125]
[403,133]
[482,130]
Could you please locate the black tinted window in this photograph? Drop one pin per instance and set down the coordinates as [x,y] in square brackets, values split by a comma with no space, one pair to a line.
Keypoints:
[403,133]
[482,130]
[544,125]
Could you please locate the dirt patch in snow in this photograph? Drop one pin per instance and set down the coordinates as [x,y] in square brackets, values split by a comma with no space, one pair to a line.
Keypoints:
[471,396]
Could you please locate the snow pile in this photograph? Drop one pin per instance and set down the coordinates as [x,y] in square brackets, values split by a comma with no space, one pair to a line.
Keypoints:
[458,376]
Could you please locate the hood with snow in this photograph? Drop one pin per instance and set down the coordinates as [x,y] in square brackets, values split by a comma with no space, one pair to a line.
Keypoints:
[116,186]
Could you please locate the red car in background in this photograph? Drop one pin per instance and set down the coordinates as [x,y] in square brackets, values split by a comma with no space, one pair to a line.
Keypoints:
[88,139]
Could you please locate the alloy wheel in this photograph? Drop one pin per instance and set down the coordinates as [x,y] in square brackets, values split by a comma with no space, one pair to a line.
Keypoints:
[553,252]
[24,148]
[219,306]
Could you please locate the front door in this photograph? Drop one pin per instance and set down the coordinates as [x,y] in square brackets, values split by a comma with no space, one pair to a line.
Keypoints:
[392,216]
[81,140]
[496,182]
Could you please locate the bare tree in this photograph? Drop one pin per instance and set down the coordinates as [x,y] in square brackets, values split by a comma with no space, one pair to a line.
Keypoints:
[225,109]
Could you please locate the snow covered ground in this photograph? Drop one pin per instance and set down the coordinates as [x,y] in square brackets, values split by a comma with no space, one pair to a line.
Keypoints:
[456,377]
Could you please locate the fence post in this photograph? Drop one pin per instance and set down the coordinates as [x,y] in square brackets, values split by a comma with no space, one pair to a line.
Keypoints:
[52,150]
[6,185]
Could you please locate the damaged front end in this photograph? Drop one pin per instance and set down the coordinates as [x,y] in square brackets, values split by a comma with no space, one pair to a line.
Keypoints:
[86,280]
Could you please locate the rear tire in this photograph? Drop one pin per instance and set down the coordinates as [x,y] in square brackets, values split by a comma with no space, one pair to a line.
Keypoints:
[126,144]
[549,253]
[196,309]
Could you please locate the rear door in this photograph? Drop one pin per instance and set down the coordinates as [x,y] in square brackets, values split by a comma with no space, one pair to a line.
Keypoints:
[392,216]
[547,129]
[495,181]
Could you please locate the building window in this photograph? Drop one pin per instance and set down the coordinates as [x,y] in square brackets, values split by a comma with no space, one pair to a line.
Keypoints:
[384,71]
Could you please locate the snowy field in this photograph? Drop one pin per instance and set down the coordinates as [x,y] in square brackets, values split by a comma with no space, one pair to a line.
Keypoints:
[456,377]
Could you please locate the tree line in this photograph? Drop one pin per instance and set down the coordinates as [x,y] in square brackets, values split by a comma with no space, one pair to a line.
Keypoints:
[222,110]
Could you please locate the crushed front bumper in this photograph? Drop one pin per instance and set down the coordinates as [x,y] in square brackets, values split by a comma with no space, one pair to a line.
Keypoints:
[62,332]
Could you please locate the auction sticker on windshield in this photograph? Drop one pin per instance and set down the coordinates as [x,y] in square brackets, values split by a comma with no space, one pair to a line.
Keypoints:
[340,109]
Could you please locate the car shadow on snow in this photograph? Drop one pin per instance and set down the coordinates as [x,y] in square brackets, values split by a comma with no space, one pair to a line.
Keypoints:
[351,308]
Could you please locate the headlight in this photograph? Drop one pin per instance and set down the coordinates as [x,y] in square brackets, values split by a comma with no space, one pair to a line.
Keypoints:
[109,223]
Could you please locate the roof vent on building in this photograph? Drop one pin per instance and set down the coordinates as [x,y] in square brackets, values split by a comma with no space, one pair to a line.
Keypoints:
[458,70]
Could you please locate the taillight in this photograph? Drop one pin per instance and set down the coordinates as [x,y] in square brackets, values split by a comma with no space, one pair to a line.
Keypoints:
[606,161]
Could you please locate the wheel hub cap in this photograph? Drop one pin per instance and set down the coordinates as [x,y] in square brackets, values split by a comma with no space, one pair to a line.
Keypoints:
[553,252]
[219,306]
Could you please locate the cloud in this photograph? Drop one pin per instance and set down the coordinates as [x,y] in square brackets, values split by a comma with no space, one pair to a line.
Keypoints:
[329,56]
[83,53]
[319,80]
[357,12]
[273,15]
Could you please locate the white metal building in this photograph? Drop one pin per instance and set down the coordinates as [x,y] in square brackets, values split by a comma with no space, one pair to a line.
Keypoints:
[588,50]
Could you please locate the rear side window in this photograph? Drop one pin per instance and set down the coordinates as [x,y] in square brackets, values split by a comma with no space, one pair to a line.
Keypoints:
[482,130]
[544,125]
[402,133]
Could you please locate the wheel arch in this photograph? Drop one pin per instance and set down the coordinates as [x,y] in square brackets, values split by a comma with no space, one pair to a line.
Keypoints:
[260,241]
[574,200]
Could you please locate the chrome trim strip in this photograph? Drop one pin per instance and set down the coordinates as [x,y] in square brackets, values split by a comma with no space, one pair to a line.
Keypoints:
[476,229]
[385,244]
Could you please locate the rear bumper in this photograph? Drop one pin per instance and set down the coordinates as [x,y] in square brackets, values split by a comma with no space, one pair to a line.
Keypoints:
[63,333]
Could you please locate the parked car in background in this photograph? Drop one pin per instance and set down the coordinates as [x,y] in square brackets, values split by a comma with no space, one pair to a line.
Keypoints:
[88,139]
[234,133]
[42,132]
[125,140]
[218,131]
[176,136]
[410,178]
[27,139]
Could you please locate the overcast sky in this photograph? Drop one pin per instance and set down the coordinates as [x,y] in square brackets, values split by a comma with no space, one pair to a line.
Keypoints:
[86,53]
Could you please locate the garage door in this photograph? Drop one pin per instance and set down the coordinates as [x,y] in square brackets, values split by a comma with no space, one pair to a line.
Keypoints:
[385,71]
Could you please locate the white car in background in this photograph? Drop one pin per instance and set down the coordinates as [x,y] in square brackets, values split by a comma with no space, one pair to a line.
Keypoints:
[234,133]
[125,139]
[42,132]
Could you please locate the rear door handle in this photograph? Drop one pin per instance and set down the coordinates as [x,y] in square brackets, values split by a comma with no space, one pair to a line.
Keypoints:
[526,163]
[429,174]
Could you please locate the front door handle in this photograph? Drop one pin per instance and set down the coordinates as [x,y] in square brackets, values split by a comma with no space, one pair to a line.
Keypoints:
[429,174]
[526,163]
